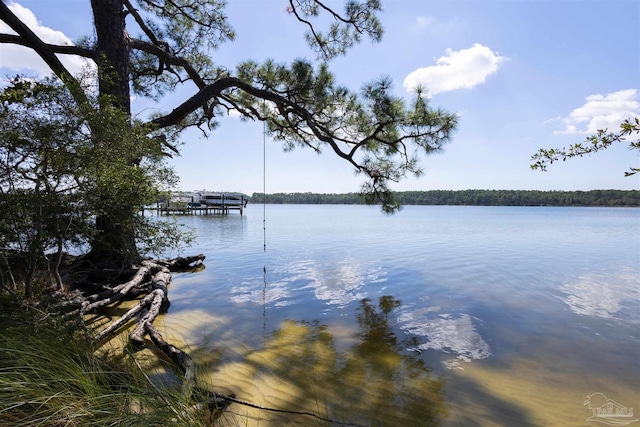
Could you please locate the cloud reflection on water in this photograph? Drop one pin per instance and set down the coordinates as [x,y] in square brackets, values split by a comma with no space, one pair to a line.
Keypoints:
[446,333]
[339,284]
[342,284]
[607,296]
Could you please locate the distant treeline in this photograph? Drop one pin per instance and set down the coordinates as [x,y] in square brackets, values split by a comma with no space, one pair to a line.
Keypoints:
[627,198]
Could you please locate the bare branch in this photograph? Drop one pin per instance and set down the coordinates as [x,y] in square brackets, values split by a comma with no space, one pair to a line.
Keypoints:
[169,59]
[33,41]
[44,51]
[316,36]
[145,28]
[66,50]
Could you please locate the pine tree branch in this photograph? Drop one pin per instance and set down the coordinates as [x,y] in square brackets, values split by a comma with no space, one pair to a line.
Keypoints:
[45,52]
[65,50]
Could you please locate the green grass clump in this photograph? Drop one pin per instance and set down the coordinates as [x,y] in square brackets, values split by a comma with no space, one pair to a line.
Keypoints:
[51,376]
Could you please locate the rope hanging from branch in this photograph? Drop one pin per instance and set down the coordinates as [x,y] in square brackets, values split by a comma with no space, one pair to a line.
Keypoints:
[264,186]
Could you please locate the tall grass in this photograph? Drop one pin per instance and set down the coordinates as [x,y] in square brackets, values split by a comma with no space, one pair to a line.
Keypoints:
[50,376]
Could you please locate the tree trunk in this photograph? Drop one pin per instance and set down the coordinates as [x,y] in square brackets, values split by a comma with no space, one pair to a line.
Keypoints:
[114,243]
[114,50]
[115,238]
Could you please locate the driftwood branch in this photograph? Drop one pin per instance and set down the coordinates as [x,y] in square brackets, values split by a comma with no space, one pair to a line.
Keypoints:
[152,278]
[184,263]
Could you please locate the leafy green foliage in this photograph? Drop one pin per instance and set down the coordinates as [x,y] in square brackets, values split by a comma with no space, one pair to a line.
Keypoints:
[62,168]
[156,237]
[594,143]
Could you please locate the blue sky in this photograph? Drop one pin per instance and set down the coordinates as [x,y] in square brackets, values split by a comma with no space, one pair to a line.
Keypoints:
[521,74]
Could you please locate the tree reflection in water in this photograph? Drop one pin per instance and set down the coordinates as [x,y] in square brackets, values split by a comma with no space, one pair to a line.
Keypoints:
[375,382]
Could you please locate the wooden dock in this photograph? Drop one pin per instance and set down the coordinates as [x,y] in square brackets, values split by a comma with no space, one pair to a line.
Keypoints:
[203,203]
[197,210]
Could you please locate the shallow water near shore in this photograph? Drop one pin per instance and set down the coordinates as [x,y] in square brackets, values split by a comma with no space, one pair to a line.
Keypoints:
[439,315]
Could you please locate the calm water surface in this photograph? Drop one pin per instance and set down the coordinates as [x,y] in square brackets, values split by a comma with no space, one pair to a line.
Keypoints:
[440,315]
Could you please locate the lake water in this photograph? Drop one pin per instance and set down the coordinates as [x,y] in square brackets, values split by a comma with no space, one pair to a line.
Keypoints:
[439,315]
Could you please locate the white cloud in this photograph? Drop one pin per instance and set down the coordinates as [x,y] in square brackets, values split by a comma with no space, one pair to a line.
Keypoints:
[23,60]
[602,112]
[461,69]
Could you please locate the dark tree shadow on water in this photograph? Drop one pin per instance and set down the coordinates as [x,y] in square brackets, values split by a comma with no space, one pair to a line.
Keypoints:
[390,385]
[365,377]
[373,382]
[481,407]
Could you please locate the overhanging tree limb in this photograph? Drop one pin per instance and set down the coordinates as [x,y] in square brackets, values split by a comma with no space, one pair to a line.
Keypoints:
[602,140]
[62,49]
[359,18]
[45,51]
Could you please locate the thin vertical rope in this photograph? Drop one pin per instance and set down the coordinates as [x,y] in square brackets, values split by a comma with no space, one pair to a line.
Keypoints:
[264,225]
[264,186]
